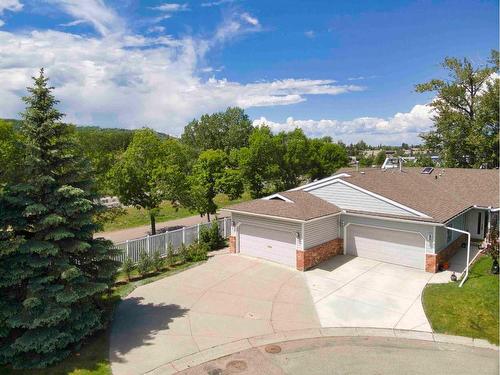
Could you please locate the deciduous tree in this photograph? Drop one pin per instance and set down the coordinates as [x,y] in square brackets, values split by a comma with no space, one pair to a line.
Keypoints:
[210,177]
[259,162]
[465,132]
[150,171]
[226,131]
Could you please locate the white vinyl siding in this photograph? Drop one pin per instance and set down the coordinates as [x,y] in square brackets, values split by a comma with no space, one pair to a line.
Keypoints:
[426,230]
[349,198]
[386,245]
[320,231]
[444,236]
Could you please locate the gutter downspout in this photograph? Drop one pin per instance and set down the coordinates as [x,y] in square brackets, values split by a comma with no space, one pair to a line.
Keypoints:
[468,252]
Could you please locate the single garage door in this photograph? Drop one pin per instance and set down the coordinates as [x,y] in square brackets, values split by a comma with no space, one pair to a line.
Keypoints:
[391,246]
[274,245]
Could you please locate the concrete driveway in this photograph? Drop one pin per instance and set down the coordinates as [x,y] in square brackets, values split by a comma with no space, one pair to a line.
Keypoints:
[358,292]
[228,298]
[232,297]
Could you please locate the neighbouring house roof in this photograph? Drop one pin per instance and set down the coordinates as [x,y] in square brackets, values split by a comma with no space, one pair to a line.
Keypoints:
[452,192]
[303,206]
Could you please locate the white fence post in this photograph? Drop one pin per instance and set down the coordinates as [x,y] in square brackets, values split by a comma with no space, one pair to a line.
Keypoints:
[224,226]
[147,244]
[126,247]
[198,230]
[183,235]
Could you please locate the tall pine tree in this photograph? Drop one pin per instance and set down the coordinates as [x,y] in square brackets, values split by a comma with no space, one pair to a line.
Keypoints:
[53,273]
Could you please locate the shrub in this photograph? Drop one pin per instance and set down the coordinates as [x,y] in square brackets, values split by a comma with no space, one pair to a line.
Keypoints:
[170,255]
[144,264]
[492,249]
[157,261]
[211,237]
[127,267]
[198,251]
[183,253]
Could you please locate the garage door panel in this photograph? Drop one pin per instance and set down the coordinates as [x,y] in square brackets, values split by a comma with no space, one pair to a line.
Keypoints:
[274,245]
[392,246]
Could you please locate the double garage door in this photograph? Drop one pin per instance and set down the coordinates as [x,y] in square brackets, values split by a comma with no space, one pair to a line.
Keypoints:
[271,244]
[386,245]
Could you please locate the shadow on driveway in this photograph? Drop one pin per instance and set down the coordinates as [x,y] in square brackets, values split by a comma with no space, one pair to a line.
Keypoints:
[136,324]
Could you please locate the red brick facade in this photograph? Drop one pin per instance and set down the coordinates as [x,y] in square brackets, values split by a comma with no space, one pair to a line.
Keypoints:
[232,244]
[315,255]
[432,261]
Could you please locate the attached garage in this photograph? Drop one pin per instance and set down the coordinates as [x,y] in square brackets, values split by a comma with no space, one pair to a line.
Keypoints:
[275,245]
[295,229]
[386,245]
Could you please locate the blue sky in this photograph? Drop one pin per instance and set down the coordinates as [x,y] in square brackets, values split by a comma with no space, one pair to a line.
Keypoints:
[341,68]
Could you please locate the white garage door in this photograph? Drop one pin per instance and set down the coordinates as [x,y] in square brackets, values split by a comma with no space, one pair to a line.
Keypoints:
[270,244]
[391,246]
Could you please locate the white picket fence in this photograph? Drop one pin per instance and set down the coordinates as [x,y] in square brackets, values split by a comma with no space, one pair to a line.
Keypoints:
[161,242]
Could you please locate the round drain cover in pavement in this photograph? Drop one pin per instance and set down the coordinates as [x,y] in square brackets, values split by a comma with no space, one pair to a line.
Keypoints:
[215,371]
[273,349]
[236,366]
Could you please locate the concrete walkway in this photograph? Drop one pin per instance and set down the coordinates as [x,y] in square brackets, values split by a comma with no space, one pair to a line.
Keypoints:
[137,232]
[360,353]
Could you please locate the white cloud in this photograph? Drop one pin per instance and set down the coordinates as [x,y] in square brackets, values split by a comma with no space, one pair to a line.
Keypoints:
[156,29]
[10,5]
[402,127]
[103,18]
[235,24]
[133,81]
[249,19]
[310,34]
[72,23]
[361,78]
[172,7]
[216,3]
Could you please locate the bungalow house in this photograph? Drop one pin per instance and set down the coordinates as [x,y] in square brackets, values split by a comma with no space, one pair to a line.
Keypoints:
[411,217]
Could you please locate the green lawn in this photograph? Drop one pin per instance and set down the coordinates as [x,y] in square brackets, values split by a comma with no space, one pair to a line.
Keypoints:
[468,311]
[92,359]
[136,217]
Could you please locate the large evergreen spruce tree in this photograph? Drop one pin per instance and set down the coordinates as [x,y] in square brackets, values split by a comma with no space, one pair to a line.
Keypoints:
[53,273]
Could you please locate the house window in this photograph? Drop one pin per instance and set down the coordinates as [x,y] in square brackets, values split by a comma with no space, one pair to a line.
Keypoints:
[479,223]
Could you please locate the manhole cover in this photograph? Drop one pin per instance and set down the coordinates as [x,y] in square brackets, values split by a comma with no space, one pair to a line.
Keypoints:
[237,365]
[273,349]
[215,371]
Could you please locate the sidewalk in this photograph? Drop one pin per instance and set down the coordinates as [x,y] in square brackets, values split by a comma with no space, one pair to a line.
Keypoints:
[122,235]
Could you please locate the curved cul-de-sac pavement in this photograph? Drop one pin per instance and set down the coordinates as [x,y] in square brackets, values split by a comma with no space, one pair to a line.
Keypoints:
[232,297]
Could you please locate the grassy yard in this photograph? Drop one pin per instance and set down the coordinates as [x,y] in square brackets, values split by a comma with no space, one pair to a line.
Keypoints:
[468,311]
[92,359]
[136,217]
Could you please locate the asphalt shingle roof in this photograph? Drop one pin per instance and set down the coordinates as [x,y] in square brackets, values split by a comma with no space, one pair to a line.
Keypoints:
[304,206]
[443,194]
